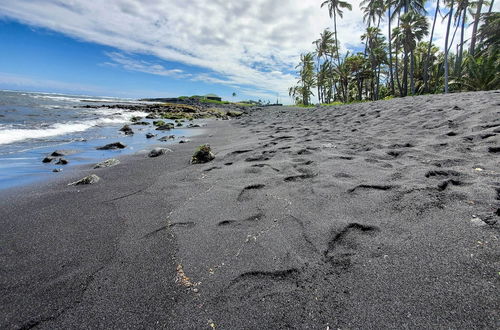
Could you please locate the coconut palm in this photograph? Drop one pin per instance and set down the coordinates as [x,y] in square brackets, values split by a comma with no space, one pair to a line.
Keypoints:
[335,8]
[473,37]
[373,10]
[413,27]
[306,79]
[482,73]
[446,49]
[427,58]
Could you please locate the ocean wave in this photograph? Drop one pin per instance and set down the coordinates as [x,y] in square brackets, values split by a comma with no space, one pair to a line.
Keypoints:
[20,134]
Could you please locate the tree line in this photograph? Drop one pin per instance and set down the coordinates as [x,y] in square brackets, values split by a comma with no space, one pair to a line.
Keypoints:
[406,62]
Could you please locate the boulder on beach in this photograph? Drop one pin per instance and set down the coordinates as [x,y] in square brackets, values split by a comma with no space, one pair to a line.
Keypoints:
[91,179]
[60,153]
[141,123]
[107,163]
[150,135]
[166,127]
[203,154]
[234,113]
[158,152]
[111,146]
[184,141]
[127,130]
[166,138]
[48,159]
[62,161]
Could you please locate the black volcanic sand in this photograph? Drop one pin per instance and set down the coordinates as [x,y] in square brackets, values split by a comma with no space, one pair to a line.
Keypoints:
[376,215]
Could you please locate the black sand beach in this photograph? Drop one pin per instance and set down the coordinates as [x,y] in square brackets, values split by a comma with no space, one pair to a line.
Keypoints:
[373,215]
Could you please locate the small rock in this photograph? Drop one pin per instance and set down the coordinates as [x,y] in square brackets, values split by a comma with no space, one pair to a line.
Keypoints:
[152,116]
[184,141]
[56,170]
[233,113]
[166,127]
[150,135]
[141,123]
[107,163]
[158,152]
[91,179]
[203,154]
[127,130]
[116,145]
[47,159]
[166,138]
[59,153]
[62,161]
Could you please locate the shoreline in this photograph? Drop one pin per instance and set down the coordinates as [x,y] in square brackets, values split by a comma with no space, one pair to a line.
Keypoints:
[342,217]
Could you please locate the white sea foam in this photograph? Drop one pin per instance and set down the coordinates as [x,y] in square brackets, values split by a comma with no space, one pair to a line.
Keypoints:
[20,134]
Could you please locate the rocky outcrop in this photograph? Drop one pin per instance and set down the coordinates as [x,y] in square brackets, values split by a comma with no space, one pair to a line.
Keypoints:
[203,154]
[91,179]
[107,163]
[111,146]
[127,130]
[158,152]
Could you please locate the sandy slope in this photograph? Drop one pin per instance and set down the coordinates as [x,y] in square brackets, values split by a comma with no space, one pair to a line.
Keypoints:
[376,215]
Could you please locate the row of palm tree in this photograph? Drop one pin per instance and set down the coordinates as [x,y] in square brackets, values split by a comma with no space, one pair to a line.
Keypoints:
[403,63]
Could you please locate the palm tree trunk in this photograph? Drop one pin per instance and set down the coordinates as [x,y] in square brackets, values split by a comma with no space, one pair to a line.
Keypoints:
[458,64]
[336,38]
[405,73]
[446,49]
[390,55]
[427,59]
[474,28]
[412,73]
[491,6]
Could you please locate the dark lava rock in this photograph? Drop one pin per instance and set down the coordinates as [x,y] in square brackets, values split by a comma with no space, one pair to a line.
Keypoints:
[141,123]
[166,138]
[111,146]
[47,159]
[127,130]
[184,141]
[62,161]
[150,135]
[56,170]
[91,179]
[107,163]
[158,152]
[59,153]
[166,127]
[193,125]
[203,154]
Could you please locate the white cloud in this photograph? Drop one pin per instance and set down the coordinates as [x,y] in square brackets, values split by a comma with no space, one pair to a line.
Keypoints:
[254,44]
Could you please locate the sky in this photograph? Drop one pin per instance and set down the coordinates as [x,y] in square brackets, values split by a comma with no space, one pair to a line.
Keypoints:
[167,48]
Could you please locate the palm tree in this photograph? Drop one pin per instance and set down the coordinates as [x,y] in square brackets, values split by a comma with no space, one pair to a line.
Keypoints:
[474,27]
[302,92]
[427,58]
[446,49]
[373,10]
[405,6]
[413,27]
[388,5]
[335,8]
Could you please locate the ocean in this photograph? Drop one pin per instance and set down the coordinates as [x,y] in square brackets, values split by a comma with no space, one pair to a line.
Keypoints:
[33,125]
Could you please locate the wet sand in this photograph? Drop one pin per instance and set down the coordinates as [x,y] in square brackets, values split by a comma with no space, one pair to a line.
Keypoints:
[373,215]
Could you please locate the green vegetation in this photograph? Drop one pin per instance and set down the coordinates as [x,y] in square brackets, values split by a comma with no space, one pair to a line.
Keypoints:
[404,63]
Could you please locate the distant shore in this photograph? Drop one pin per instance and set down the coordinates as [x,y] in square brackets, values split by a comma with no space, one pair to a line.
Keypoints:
[381,214]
